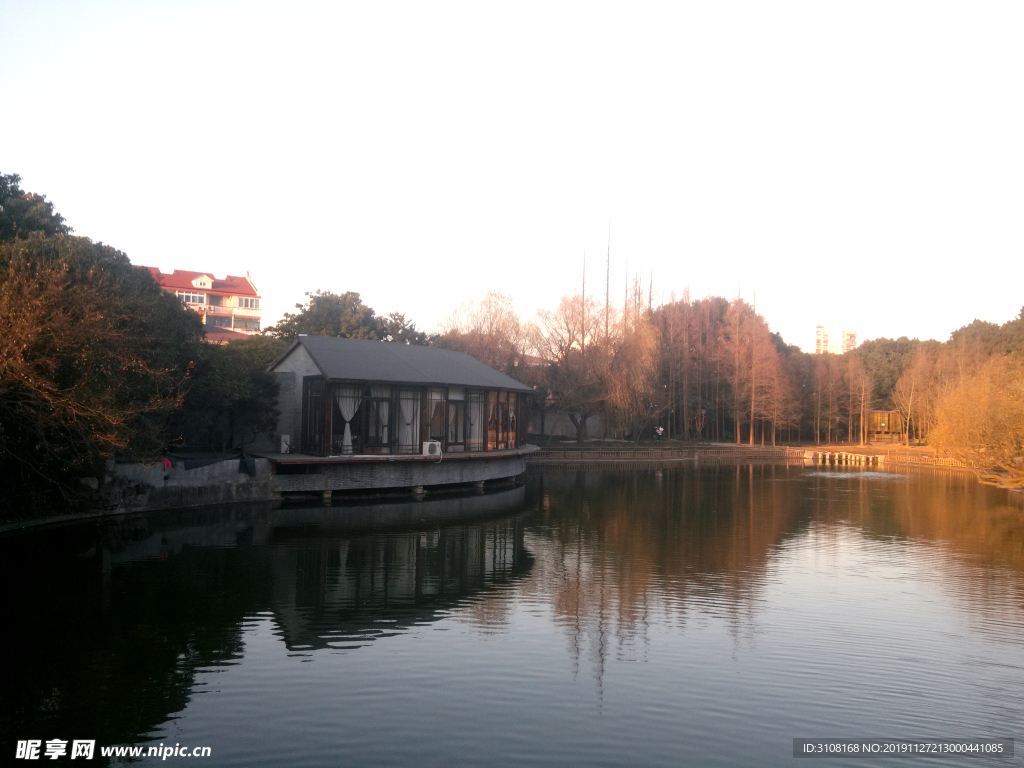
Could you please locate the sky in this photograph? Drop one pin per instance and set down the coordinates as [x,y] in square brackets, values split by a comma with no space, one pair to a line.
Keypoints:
[844,164]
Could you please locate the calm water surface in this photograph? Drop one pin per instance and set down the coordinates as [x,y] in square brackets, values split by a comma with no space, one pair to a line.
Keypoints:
[654,618]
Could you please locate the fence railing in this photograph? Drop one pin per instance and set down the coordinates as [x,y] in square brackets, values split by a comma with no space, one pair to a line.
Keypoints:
[710,454]
[745,452]
[923,460]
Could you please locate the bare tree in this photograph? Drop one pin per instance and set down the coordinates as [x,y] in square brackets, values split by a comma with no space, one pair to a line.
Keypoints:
[489,330]
[903,398]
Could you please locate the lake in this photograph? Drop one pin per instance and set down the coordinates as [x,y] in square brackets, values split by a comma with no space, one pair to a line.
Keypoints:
[678,616]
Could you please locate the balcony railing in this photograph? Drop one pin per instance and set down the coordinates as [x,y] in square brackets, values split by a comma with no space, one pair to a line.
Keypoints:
[235,311]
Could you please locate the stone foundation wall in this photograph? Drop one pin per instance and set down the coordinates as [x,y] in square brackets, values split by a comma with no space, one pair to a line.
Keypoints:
[141,487]
[399,474]
[149,486]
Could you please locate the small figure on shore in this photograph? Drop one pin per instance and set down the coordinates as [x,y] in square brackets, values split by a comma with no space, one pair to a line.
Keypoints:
[658,432]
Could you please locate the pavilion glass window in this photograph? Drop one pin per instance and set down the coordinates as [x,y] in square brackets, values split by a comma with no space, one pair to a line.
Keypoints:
[455,436]
[503,420]
[513,420]
[362,419]
[493,421]
[347,414]
[313,416]
[436,417]
[476,420]
[407,425]
[377,414]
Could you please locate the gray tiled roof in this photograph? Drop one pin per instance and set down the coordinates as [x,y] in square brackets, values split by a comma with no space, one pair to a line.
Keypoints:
[359,360]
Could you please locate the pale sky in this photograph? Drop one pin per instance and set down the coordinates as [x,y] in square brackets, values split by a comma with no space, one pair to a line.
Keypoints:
[849,163]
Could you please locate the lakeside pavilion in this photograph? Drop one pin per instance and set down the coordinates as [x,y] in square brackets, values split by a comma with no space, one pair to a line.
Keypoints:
[365,415]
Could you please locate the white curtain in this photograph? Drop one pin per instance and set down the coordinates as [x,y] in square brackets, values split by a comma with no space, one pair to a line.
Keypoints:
[383,408]
[408,424]
[348,403]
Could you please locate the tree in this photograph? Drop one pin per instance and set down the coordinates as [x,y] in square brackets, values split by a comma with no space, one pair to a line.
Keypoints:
[734,354]
[93,358]
[489,330]
[401,331]
[629,360]
[981,422]
[24,214]
[763,360]
[232,398]
[781,406]
[860,395]
[577,373]
[330,314]
[885,360]
[903,395]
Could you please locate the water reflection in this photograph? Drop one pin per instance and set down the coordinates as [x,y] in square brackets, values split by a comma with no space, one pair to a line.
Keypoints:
[117,619]
[590,616]
[618,552]
[343,592]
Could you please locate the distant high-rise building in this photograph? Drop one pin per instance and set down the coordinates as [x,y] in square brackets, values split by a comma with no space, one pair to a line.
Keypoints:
[820,340]
[838,341]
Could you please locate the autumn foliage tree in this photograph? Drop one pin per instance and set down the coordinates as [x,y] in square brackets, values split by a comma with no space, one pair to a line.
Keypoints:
[981,422]
[633,352]
[488,329]
[577,365]
[92,358]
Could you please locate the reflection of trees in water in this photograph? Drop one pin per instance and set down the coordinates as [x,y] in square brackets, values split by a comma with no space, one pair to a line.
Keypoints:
[618,551]
[109,652]
[615,547]
[974,532]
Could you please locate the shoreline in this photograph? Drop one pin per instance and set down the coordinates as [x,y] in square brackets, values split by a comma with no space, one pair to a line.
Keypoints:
[595,455]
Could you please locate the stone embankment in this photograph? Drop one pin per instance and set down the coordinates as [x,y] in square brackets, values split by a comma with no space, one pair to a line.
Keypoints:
[659,456]
[829,456]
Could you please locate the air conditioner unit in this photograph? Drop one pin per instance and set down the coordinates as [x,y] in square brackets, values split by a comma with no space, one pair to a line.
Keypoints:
[432,448]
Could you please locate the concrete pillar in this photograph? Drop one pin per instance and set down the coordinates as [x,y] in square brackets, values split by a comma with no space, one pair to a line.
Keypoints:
[478,486]
[326,496]
[418,492]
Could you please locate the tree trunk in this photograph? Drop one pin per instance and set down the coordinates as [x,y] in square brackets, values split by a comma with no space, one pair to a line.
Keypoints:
[580,422]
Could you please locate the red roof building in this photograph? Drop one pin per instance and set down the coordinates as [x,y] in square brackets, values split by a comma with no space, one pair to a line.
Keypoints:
[228,304]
